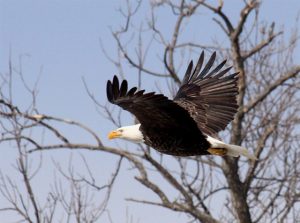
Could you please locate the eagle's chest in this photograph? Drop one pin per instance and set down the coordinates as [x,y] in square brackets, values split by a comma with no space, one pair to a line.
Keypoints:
[174,143]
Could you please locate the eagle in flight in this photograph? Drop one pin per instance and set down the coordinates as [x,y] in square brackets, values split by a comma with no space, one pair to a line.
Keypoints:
[187,125]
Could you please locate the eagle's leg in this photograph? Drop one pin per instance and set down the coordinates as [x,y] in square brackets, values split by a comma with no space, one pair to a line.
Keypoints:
[217,151]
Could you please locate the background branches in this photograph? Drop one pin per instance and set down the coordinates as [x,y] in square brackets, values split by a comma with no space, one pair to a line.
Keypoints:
[205,189]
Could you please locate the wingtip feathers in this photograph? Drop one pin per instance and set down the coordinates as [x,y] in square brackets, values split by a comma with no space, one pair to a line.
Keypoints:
[109,91]
[115,90]
[198,73]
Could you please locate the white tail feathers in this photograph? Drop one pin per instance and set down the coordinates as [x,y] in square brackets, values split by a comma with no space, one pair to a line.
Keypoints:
[232,150]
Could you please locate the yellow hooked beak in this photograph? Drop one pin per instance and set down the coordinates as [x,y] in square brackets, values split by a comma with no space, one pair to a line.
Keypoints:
[114,134]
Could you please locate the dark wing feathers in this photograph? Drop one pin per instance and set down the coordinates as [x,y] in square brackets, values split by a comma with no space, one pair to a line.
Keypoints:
[209,97]
[131,92]
[219,67]
[197,68]
[208,65]
[123,88]
[151,109]
[188,72]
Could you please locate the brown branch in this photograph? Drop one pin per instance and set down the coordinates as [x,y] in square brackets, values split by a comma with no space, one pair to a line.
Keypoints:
[195,45]
[260,46]
[177,207]
[205,217]
[230,166]
[156,189]
[239,197]
[243,18]
[218,10]
[169,50]
[24,171]
[78,124]
[132,62]
[260,146]
[288,75]
[170,179]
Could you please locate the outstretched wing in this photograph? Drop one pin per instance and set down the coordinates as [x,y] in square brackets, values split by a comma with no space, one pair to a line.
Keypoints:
[209,97]
[152,110]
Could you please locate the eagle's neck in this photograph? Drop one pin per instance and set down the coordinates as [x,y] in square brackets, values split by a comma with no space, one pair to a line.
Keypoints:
[132,133]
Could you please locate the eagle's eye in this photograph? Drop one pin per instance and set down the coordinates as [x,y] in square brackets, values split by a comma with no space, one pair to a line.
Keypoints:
[121,130]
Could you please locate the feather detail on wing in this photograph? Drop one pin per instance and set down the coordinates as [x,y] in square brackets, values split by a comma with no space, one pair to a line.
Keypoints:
[209,96]
[152,110]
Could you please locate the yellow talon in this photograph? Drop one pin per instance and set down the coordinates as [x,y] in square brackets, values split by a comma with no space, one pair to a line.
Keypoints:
[217,151]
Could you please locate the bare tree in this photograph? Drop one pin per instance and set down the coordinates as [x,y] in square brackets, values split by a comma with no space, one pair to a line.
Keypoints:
[267,123]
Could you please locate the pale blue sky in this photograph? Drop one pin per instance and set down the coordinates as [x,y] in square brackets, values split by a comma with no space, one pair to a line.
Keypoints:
[60,39]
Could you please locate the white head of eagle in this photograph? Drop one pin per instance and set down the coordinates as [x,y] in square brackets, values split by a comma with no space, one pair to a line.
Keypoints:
[131,133]
[205,104]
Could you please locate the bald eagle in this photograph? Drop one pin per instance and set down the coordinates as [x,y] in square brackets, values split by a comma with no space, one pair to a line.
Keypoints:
[187,125]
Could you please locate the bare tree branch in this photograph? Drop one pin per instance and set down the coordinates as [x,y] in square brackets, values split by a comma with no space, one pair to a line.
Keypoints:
[288,75]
